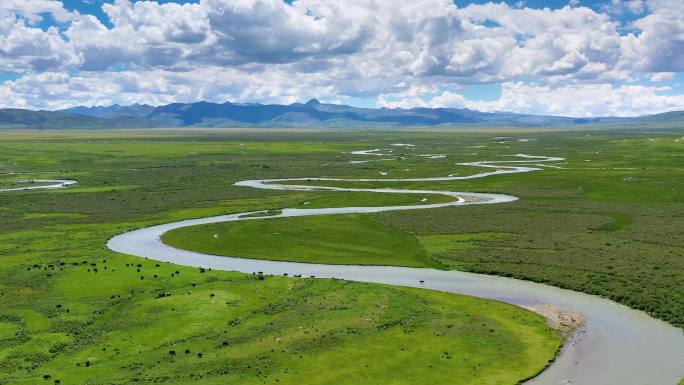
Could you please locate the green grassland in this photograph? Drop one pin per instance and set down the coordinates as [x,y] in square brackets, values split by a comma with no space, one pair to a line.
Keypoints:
[100,322]
[73,311]
[609,223]
[339,239]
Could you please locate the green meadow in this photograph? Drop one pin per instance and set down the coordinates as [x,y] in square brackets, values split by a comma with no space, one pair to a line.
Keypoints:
[608,223]
[340,239]
[73,312]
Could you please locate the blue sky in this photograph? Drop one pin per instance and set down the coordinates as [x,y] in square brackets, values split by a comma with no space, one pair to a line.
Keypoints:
[573,57]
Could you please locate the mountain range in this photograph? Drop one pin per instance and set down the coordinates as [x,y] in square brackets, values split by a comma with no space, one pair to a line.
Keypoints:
[310,114]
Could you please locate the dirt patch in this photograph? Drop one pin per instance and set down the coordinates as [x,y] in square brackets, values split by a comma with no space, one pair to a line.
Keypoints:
[566,321]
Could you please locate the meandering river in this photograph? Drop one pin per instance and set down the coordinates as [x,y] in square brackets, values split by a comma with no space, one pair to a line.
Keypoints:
[616,346]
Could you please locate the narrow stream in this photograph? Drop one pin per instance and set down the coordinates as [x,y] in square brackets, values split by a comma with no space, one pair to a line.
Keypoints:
[52,184]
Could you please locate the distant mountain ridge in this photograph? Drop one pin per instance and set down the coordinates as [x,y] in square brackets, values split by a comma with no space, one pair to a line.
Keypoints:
[114,111]
[310,114]
[12,118]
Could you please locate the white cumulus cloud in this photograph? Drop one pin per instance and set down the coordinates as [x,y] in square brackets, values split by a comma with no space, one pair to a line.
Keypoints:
[576,100]
[400,52]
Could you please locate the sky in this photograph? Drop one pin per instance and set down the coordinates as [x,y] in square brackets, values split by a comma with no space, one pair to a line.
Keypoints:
[558,57]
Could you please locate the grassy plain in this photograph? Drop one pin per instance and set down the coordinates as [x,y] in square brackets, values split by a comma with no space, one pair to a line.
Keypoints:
[608,223]
[74,312]
[343,239]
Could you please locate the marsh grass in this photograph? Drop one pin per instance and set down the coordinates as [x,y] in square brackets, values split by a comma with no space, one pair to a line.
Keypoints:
[73,311]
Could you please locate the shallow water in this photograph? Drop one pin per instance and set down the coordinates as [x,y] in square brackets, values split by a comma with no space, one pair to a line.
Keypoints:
[617,345]
[53,184]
